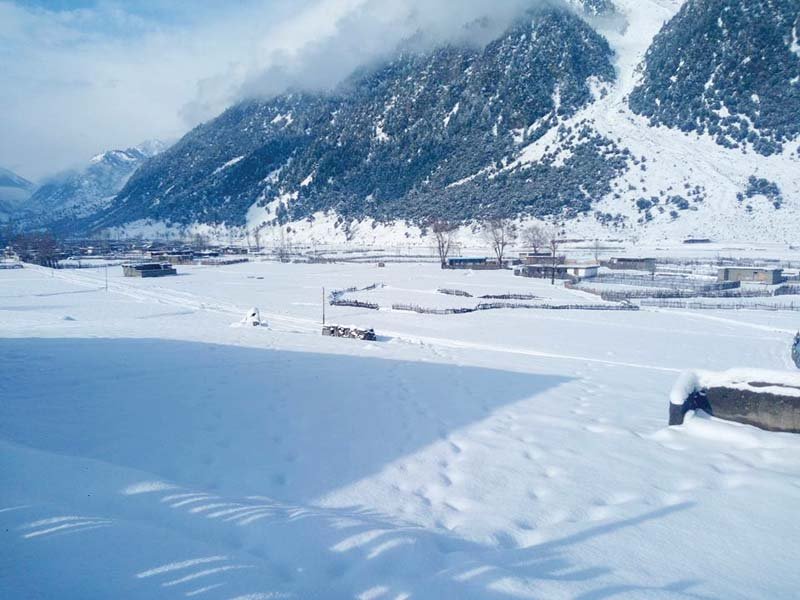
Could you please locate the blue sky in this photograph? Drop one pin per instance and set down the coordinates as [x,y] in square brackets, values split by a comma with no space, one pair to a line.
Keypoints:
[78,77]
[170,13]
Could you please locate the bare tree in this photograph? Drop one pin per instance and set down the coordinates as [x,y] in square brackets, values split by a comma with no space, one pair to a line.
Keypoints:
[445,233]
[553,242]
[283,249]
[535,237]
[499,234]
[38,247]
[200,241]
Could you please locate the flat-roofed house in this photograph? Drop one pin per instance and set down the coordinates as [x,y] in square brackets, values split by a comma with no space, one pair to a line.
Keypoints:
[149,270]
[751,274]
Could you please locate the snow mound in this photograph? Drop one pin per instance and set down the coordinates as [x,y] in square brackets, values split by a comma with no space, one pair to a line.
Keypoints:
[782,383]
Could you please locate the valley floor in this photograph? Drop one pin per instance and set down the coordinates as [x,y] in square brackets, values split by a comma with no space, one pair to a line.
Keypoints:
[152,447]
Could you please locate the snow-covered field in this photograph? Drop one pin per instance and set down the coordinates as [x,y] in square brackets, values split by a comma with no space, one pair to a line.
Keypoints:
[150,449]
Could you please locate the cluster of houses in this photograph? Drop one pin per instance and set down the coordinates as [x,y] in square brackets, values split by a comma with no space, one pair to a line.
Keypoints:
[530,264]
[543,265]
[162,262]
[546,266]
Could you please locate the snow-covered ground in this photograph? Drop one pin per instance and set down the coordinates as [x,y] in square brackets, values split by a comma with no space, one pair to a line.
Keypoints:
[151,449]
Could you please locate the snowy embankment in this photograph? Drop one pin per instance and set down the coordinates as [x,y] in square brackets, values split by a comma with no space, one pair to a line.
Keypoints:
[150,450]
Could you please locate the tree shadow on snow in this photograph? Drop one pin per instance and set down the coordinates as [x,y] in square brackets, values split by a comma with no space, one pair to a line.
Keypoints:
[285,424]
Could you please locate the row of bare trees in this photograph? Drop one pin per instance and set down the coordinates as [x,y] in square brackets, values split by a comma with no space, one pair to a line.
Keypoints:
[500,234]
[37,247]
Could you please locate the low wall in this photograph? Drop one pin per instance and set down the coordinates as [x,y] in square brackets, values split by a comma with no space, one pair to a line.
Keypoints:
[766,399]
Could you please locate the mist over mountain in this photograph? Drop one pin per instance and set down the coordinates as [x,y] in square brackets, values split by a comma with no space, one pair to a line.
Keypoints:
[14,192]
[62,200]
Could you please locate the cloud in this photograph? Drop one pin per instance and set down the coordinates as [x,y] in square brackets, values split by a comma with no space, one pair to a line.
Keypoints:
[341,35]
[87,75]
[74,82]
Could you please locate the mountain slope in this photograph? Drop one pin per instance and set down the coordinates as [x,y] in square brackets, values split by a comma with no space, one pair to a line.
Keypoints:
[422,135]
[61,200]
[14,192]
[727,68]
[679,184]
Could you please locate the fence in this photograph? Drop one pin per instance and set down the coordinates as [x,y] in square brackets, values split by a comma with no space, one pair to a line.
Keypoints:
[791,306]
[450,292]
[509,297]
[679,283]
[431,311]
[731,262]
[355,304]
[223,262]
[85,265]
[499,305]
[787,290]
[663,294]
[336,296]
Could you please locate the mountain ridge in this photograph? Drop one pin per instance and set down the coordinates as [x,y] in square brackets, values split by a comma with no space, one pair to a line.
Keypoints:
[63,200]
[14,192]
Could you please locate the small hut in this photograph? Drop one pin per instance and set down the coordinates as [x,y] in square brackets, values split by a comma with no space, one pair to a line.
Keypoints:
[149,270]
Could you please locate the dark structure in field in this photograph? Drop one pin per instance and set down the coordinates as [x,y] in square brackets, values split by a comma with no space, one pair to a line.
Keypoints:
[562,271]
[539,258]
[634,264]
[764,399]
[752,274]
[475,263]
[796,350]
[367,335]
[149,270]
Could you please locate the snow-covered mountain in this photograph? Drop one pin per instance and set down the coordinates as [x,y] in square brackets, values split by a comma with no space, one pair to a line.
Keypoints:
[14,191]
[423,131]
[73,195]
[623,118]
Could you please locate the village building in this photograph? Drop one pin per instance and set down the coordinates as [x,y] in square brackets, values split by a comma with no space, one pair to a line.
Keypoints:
[539,258]
[175,257]
[475,263]
[751,274]
[583,271]
[149,270]
[632,263]
[559,271]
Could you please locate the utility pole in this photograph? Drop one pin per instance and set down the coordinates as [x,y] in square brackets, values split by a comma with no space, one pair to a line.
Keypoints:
[323,306]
